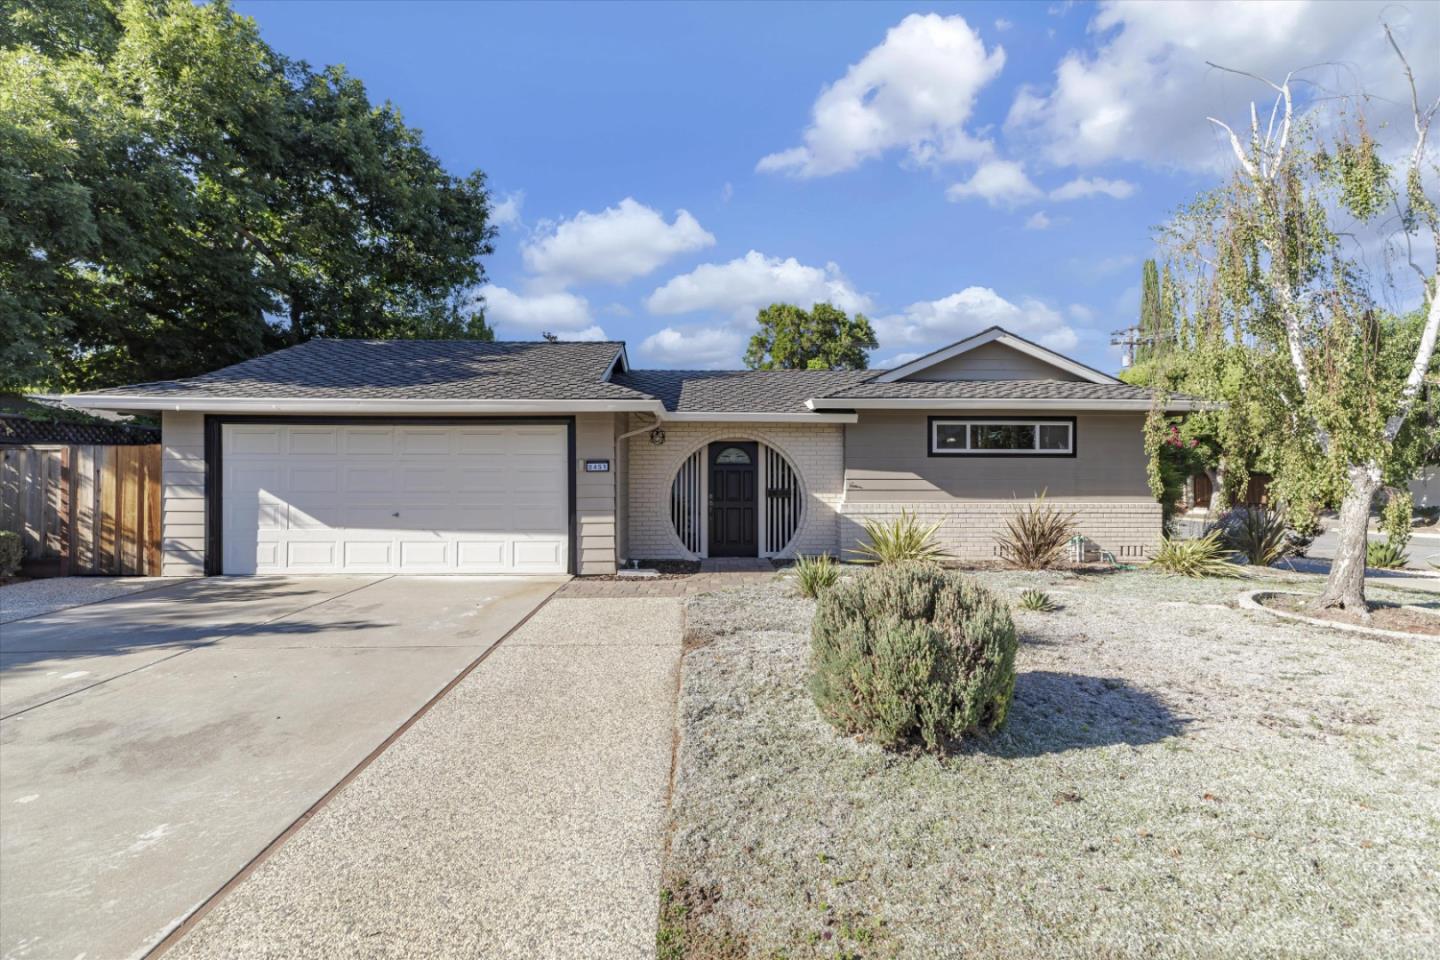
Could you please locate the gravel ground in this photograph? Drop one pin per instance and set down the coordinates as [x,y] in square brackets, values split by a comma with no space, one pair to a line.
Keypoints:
[522,817]
[1177,778]
[31,598]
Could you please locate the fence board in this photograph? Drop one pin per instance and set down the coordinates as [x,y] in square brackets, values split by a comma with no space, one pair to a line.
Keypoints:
[83,508]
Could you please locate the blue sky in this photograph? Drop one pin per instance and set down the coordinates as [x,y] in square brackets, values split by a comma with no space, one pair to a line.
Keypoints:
[663,170]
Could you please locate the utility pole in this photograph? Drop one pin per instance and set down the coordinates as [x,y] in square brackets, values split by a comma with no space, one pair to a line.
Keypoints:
[1129,339]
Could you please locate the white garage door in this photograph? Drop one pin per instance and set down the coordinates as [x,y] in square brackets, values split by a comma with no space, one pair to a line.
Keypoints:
[393,498]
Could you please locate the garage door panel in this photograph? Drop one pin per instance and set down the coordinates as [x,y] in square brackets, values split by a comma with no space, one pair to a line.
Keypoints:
[307,498]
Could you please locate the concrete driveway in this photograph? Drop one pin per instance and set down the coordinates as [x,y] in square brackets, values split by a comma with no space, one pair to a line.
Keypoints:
[151,746]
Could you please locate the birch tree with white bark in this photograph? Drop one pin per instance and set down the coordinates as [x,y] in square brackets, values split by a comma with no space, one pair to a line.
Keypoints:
[1295,233]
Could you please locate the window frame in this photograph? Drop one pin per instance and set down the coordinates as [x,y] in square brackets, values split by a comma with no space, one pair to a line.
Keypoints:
[933,424]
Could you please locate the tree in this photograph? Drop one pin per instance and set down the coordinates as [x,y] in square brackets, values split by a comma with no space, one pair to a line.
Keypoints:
[1151,333]
[1337,380]
[822,338]
[175,195]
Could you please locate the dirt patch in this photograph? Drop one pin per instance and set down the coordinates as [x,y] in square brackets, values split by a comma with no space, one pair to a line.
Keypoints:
[1402,618]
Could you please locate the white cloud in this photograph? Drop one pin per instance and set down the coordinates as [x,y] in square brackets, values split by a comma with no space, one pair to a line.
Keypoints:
[743,286]
[1142,92]
[618,244]
[589,333]
[727,192]
[899,360]
[1082,187]
[997,182]
[916,91]
[934,323]
[1038,221]
[1002,24]
[506,211]
[561,313]
[1081,312]
[705,348]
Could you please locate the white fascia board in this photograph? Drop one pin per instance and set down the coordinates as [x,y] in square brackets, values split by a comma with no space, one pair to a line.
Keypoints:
[918,403]
[691,416]
[358,407]
[996,335]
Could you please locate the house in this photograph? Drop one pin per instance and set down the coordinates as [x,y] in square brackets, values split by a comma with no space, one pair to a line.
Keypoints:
[425,457]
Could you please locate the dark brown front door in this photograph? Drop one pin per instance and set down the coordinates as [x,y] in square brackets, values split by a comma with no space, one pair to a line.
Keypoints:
[733,501]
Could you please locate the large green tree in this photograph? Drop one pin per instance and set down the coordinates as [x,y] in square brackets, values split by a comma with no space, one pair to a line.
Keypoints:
[175,195]
[821,338]
[1337,381]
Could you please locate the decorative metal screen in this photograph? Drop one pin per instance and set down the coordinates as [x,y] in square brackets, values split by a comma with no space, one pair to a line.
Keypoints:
[687,503]
[782,501]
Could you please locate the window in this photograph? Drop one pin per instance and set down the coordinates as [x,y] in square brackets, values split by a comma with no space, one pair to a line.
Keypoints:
[1001,438]
[732,455]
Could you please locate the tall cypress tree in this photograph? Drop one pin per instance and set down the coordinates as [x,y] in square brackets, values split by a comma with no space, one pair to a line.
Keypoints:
[1152,321]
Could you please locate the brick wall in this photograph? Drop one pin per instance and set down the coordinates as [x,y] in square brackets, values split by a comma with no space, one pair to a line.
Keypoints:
[817,451]
[1128,529]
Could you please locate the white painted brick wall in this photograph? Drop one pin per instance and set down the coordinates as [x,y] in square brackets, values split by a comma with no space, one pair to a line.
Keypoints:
[817,452]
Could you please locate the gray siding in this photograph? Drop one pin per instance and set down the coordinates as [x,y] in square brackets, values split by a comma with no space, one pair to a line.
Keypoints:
[887,461]
[993,361]
[595,494]
[622,492]
[182,507]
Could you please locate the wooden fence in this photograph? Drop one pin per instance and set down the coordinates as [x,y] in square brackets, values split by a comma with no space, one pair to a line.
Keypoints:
[83,508]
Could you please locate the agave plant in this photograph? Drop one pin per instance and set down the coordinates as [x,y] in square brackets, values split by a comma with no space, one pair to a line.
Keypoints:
[902,540]
[1258,534]
[1036,600]
[1206,556]
[1035,536]
[815,574]
[1385,555]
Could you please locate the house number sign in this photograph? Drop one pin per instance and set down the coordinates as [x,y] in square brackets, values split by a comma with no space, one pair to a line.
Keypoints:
[597,466]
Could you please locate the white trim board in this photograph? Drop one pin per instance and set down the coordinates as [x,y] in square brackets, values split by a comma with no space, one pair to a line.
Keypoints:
[998,403]
[378,407]
[996,335]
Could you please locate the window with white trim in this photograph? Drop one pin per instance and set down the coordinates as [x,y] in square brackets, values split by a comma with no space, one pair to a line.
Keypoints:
[962,437]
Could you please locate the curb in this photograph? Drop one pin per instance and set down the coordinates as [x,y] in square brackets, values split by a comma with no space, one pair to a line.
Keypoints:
[1247,601]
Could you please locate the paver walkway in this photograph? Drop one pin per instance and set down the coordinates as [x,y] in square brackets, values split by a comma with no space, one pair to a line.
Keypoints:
[521,817]
[662,586]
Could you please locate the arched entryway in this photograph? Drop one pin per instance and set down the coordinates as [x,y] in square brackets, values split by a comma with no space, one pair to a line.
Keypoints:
[736,498]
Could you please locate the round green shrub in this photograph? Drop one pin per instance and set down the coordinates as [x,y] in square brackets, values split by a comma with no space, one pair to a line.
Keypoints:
[912,650]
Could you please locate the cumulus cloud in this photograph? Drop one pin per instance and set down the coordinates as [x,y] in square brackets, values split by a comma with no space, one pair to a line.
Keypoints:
[1038,221]
[1082,187]
[562,313]
[915,91]
[703,348]
[998,183]
[933,323]
[616,245]
[743,286]
[506,211]
[1143,91]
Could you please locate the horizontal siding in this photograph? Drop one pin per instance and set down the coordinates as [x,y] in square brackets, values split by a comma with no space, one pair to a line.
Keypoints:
[595,494]
[182,509]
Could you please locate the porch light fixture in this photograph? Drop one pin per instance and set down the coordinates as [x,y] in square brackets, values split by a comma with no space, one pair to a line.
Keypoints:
[657,436]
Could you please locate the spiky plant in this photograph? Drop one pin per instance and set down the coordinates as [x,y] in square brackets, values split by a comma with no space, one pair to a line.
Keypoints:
[1206,556]
[1385,555]
[1036,535]
[1037,600]
[815,574]
[1258,534]
[902,540]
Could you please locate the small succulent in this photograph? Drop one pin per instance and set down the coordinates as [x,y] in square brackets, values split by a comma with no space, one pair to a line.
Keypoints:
[1037,600]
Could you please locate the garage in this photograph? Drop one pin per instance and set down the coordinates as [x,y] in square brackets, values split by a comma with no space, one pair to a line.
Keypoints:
[394,497]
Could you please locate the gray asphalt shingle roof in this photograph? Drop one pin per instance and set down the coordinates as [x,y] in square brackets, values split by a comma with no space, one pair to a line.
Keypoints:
[411,370]
[740,391]
[476,370]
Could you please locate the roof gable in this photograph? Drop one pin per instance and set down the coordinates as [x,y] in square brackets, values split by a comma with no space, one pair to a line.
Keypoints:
[994,354]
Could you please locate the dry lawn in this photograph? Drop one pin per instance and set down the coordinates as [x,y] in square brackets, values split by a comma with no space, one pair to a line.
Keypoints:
[1177,778]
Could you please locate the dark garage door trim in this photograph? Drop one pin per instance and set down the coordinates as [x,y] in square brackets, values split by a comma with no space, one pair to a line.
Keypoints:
[214,491]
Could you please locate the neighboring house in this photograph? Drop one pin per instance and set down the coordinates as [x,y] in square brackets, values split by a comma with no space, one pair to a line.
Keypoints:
[468,457]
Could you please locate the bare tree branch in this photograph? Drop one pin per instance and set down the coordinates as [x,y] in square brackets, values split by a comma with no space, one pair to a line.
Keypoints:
[1411,391]
[1235,145]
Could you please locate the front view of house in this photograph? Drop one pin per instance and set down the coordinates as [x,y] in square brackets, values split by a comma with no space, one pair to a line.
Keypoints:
[430,457]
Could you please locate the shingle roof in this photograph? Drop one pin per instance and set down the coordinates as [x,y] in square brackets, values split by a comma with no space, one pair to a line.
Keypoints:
[740,391]
[410,370]
[990,390]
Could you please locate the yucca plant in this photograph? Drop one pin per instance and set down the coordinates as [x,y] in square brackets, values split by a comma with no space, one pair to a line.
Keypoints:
[815,574]
[1206,556]
[1035,536]
[1258,534]
[1036,600]
[902,540]
[1385,555]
